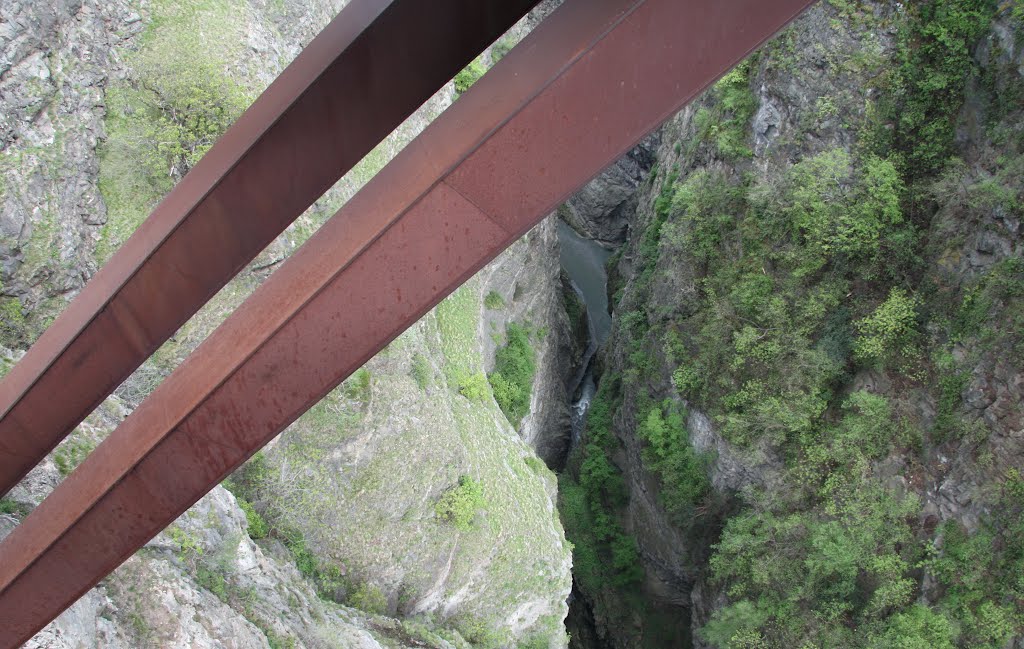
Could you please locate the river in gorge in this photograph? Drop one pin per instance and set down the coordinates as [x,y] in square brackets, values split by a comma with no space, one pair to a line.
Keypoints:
[584,262]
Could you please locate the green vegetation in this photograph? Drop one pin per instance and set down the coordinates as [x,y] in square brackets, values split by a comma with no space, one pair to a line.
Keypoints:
[327,577]
[8,506]
[535,463]
[469,75]
[257,526]
[992,310]
[13,329]
[927,87]
[170,110]
[210,571]
[6,364]
[726,124]
[707,203]
[269,489]
[843,573]
[512,378]
[818,306]
[421,371]
[888,331]
[369,598]
[837,209]
[457,318]
[139,626]
[460,504]
[750,330]
[494,301]
[603,554]
[72,452]
[501,48]
[952,383]
[481,634]
[983,573]
[670,455]
[763,351]
[275,640]
[358,387]
[574,308]
[475,387]
[842,559]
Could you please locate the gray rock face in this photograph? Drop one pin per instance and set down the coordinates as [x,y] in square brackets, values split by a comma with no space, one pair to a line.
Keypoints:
[392,452]
[663,545]
[362,475]
[55,61]
[161,597]
[201,583]
[733,469]
[767,122]
[602,210]
[976,236]
[530,270]
[994,403]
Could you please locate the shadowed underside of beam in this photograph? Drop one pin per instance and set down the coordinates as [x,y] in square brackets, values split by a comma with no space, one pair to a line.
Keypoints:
[345,93]
[582,89]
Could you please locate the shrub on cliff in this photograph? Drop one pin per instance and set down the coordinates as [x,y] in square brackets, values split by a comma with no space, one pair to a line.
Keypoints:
[512,378]
[459,504]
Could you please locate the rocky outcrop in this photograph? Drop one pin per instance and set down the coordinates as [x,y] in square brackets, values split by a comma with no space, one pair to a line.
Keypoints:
[733,469]
[204,583]
[603,209]
[201,583]
[56,59]
[375,459]
[528,278]
[363,473]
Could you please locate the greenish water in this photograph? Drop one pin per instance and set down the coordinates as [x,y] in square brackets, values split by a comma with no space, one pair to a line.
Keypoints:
[584,261]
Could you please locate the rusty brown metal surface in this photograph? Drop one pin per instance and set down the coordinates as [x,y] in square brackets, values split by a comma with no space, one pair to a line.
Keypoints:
[581,90]
[344,94]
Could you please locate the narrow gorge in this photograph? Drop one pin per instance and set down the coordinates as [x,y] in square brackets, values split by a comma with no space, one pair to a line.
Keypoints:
[758,385]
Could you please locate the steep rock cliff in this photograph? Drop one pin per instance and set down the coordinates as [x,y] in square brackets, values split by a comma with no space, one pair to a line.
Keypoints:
[55,61]
[818,299]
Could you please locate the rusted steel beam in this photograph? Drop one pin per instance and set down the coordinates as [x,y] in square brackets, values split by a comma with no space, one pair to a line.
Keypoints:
[581,90]
[359,79]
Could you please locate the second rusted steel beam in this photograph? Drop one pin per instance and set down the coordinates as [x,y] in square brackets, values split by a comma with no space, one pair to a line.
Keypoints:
[359,79]
[581,90]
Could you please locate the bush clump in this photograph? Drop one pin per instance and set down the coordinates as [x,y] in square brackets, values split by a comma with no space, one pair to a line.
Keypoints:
[258,527]
[369,598]
[170,109]
[12,324]
[494,301]
[838,208]
[474,387]
[889,331]
[421,371]
[512,378]
[469,75]
[459,504]
[669,453]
